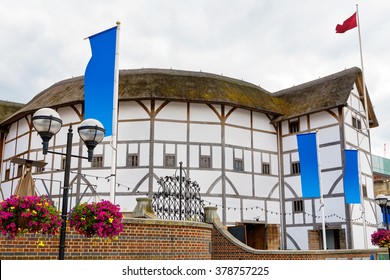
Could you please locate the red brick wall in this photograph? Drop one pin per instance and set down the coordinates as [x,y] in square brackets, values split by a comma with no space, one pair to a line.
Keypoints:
[140,239]
[226,249]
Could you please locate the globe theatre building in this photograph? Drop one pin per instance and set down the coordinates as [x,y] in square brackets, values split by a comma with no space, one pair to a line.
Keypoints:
[237,140]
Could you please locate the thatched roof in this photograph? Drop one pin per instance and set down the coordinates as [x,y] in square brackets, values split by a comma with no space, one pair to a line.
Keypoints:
[8,108]
[163,85]
[329,92]
[322,94]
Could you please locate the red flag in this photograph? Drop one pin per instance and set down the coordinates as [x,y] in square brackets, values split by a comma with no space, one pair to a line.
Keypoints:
[347,24]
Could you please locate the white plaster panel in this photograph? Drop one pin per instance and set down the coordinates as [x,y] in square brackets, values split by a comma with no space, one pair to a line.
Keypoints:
[289,143]
[6,190]
[328,134]
[205,133]
[12,132]
[170,131]
[247,161]
[144,154]
[133,148]
[69,115]
[328,179]
[205,150]
[240,117]
[173,111]
[237,136]
[350,135]
[261,122]
[9,149]
[330,157]
[203,113]
[205,178]
[233,211]
[217,155]
[321,119]
[170,148]
[22,144]
[303,125]
[300,236]
[23,126]
[257,162]
[264,141]
[286,164]
[299,218]
[194,156]
[295,156]
[182,154]
[158,154]
[214,201]
[139,130]
[274,165]
[274,217]
[121,155]
[264,186]
[285,129]
[241,182]
[253,209]
[228,158]
[129,110]
[295,183]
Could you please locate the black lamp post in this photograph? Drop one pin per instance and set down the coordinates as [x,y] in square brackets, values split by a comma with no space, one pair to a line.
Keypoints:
[384,203]
[47,123]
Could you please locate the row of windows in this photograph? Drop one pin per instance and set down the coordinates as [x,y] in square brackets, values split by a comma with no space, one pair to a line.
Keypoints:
[293,126]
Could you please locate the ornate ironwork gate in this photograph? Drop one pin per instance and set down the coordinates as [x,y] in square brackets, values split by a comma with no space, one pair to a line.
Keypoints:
[178,199]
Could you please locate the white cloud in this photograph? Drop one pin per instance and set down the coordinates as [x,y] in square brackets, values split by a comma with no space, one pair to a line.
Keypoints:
[274,44]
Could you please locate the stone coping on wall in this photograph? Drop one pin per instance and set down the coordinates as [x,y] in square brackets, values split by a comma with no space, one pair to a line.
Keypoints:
[142,221]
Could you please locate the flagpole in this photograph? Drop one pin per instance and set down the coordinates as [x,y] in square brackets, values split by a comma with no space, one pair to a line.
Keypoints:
[115,118]
[367,123]
[322,207]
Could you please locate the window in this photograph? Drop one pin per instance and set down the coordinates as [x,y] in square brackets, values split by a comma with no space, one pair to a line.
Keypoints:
[298,206]
[63,163]
[7,174]
[293,126]
[170,160]
[238,164]
[205,162]
[20,171]
[97,161]
[265,168]
[356,123]
[364,190]
[295,168]
[132,160]
[39,169]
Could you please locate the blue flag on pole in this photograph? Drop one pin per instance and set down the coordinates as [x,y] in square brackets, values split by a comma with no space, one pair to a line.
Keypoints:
[99,78]
[351,177]
[308,160]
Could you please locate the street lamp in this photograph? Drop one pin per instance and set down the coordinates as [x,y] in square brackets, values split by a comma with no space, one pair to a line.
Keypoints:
[384,203]
[47,123]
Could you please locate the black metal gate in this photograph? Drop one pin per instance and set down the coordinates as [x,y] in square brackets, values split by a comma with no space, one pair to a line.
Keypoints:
[178,199]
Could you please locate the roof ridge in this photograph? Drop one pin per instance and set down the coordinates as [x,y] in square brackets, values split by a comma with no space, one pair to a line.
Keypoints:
[317,81]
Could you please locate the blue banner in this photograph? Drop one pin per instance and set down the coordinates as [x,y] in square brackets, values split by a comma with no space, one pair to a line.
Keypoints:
[308,160]
[99,79]
[351,177]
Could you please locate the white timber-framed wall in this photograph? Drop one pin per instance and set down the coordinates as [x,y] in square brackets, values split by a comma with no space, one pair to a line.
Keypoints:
[240,157]
[336,131]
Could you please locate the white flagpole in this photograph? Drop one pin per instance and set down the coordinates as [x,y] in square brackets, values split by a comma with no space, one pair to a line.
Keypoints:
[367,123]
[115,119]
[322,207]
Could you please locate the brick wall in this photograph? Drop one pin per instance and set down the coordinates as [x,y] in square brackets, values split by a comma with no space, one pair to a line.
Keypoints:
[140,239]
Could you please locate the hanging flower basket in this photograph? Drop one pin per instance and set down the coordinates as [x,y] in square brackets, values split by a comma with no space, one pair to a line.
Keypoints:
[28,214]
[381,238]
[102,219]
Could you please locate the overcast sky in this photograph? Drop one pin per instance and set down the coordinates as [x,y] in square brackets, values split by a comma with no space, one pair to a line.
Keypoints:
[275,44]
